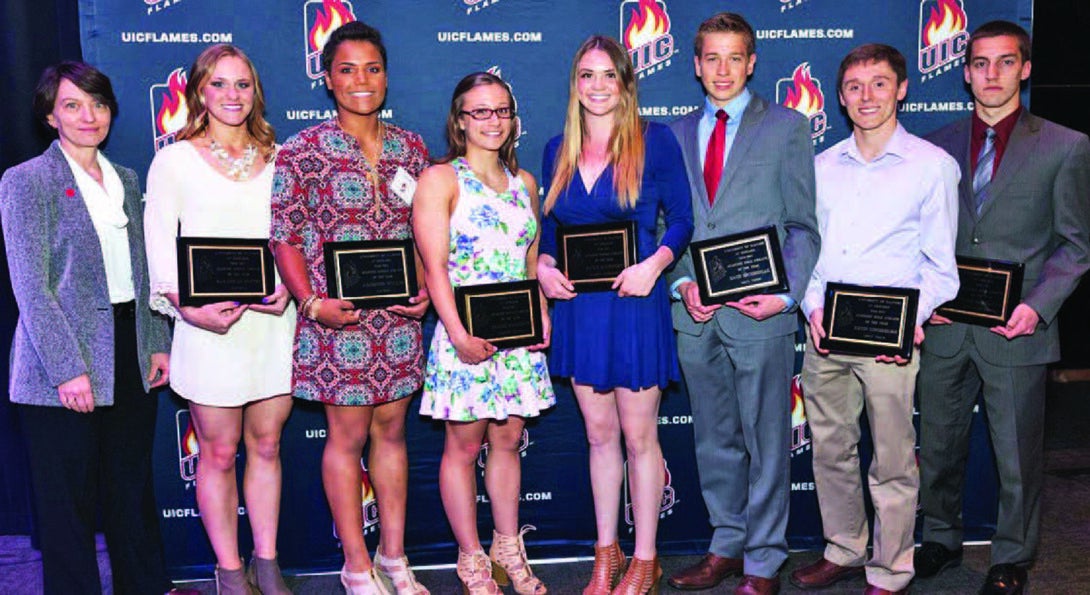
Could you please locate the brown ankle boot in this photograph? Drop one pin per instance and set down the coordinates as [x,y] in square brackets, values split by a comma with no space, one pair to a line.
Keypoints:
[609,565]
[233,582]
[508,554]
[265,576]
[643,576]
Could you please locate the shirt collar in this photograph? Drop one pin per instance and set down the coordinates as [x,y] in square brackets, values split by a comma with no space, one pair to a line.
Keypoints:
[896,146]
[734,107]
[1003,128]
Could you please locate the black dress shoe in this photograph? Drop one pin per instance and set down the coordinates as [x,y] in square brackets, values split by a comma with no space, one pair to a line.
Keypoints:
[932,558]
[1004,579]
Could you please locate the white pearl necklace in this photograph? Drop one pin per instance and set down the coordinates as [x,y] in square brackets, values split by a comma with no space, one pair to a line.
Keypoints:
[237,168]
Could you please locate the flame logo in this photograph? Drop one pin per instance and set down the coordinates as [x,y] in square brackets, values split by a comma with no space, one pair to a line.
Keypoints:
[798,409]
[172,108]
[367,491]
[804,95]
[947,20]
[649,22]
[189,443]
[330,15]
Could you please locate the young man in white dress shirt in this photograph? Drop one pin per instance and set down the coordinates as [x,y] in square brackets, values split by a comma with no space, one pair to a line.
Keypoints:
[887,213]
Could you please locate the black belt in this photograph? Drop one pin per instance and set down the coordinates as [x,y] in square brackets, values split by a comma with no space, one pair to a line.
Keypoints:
[125,310]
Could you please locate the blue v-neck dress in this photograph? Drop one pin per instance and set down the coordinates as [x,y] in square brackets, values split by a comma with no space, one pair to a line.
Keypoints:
[598,338]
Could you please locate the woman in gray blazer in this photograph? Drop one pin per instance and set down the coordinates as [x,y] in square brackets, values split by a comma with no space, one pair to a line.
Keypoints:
[84,355]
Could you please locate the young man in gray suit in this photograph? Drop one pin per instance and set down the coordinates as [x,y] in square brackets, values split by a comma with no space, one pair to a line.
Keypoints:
[1025,188]
[750,164]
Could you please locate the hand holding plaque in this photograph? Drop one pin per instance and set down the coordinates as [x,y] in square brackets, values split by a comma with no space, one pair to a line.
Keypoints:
[214,270]
[988,292]
[731,267]
[592,256]
[504,314]
[371,273]
[876,321]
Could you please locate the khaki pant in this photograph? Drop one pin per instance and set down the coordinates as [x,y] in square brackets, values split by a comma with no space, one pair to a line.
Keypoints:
[835,389]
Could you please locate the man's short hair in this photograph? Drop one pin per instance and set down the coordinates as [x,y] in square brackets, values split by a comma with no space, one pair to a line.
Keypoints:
[873,52]
[725,22]
[1000,29]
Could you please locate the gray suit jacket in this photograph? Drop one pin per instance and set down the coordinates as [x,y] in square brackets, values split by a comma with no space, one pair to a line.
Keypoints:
[66,325]
[1038,213]
[768,180]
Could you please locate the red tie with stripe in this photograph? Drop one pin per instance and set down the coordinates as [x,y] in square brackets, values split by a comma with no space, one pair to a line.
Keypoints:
[713,158]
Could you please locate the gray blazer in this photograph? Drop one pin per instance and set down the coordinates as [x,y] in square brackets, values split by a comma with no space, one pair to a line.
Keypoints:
[768,180]
[66,325]
[1038,213]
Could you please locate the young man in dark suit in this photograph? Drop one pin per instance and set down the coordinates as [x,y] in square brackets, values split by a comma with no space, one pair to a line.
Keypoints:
[750,164]
[1025,191]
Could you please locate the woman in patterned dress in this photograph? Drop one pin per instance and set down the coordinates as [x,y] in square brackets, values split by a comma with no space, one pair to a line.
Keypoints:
[616,346]
[334,182]
[475,221]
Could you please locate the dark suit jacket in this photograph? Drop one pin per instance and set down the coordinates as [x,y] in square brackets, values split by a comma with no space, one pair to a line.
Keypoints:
[768,180]
[66,325]
[1038,213]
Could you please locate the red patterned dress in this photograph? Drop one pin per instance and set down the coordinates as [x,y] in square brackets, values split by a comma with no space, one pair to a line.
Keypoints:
[323,191]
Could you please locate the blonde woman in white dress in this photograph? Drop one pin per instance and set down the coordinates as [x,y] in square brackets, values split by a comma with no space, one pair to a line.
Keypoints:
[231,362]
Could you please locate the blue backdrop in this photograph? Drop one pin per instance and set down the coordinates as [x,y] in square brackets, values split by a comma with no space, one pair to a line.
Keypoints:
[146,47]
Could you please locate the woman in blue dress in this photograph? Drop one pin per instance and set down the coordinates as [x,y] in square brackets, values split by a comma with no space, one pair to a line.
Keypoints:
[617,346]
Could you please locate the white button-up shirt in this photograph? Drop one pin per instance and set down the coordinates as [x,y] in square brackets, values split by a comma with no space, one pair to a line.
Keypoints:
[889,222]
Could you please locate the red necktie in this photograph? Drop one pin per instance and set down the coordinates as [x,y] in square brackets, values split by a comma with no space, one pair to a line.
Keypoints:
[713,159]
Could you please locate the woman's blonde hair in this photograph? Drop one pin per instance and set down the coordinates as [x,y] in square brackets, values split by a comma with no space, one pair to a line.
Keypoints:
[197,119]
[626,148]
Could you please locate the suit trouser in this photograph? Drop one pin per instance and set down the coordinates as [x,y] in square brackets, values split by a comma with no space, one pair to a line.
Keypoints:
[835,389]
[740,397]
[1014,400]
[75,457]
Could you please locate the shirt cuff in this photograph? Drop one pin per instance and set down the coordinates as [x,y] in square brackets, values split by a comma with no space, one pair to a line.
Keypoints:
[673,287]
[788,301]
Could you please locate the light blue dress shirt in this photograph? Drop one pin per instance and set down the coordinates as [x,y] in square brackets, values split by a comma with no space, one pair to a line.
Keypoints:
[735,108]
[887,222]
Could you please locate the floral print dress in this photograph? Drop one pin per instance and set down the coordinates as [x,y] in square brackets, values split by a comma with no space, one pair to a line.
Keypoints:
[490,234]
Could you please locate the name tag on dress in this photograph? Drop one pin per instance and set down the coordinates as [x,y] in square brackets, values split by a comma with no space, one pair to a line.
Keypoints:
[404,185]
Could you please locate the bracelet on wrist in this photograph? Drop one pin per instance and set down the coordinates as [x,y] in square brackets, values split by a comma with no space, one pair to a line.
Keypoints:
[303,307]
[312,309]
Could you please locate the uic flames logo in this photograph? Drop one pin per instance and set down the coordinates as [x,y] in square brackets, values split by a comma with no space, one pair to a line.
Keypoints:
[669,498]
[320,19]
[944,36]
[367,501]
[646,35]
[168,108]
[188,449]
[524,443]
[800,429]
[802,93]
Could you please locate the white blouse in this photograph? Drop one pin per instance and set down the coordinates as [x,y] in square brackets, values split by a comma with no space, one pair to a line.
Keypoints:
[106,205]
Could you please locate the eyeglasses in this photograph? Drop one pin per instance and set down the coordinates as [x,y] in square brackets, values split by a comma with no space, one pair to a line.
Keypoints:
[485,113]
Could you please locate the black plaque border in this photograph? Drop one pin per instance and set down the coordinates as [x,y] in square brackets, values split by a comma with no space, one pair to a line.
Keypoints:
[698,250]
[910,298]
[1013,271]
[626,228]
[331,252]
[187,296]
[465,295]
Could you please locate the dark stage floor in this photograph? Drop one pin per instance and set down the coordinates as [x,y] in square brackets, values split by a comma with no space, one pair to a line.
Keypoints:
[1062,566]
